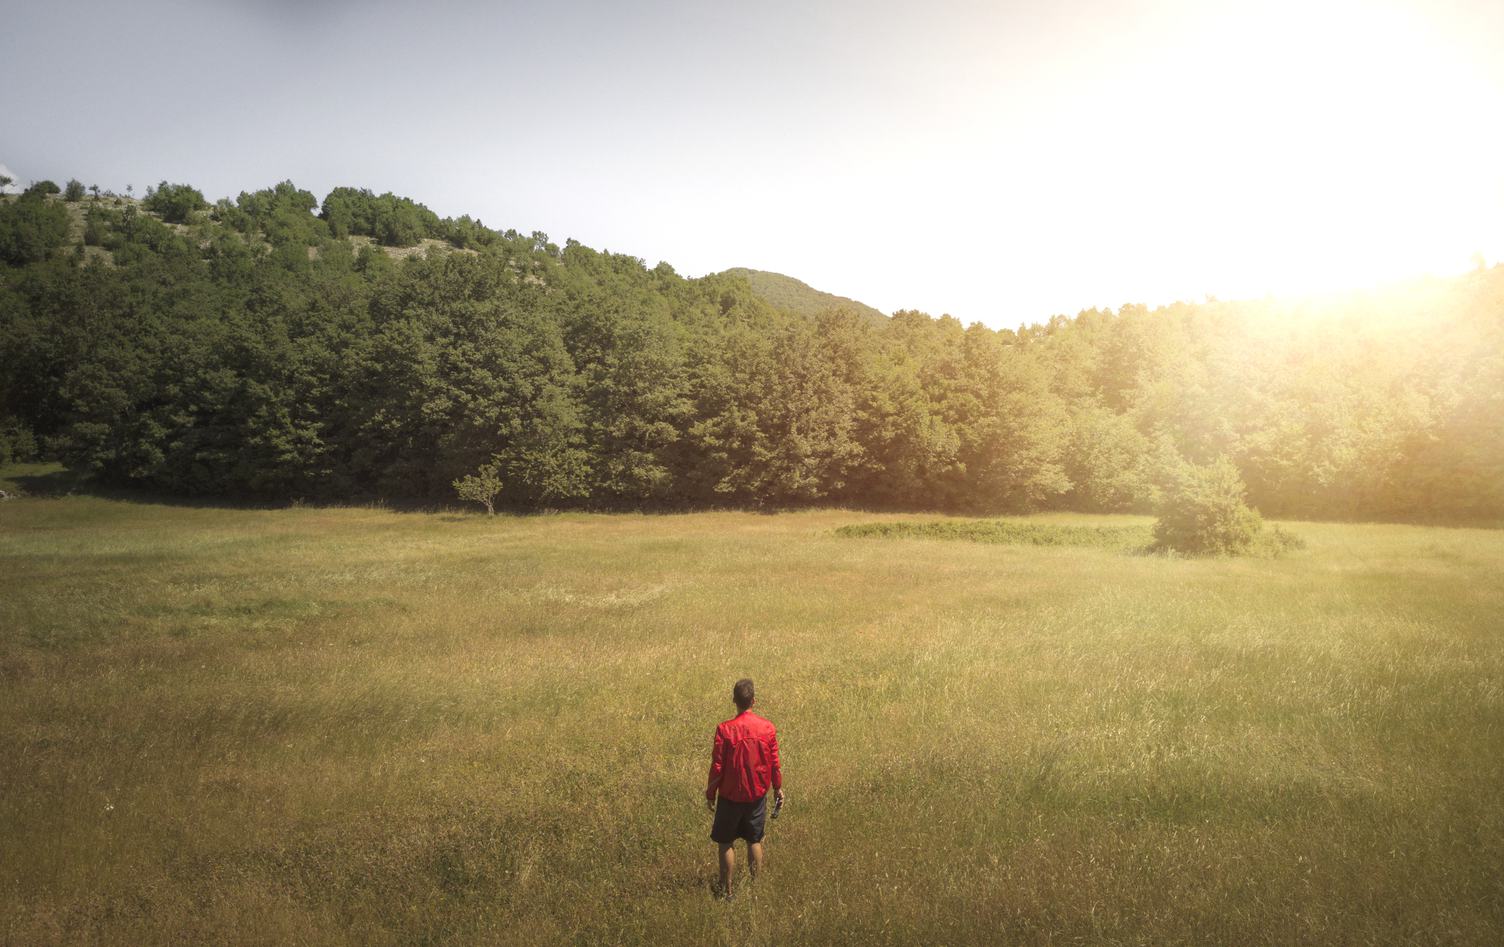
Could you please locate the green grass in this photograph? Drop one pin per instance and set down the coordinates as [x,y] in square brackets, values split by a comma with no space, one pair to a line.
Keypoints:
[360,726]
[1133,535]
[1022,532]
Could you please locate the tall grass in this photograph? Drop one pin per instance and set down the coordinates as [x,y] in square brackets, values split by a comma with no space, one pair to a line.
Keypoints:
[360,726]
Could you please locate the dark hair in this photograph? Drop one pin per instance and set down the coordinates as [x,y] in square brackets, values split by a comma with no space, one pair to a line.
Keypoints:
[742,693]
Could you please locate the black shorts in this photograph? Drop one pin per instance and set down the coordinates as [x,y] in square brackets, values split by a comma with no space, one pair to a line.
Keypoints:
[734,820]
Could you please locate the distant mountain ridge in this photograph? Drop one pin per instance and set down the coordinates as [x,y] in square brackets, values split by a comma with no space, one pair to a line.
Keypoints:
[796,296]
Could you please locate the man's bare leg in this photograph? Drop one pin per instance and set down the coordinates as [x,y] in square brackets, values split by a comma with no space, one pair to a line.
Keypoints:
[754,858]
[728,869]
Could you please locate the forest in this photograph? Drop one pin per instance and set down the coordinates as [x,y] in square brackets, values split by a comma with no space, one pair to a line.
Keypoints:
[360,348]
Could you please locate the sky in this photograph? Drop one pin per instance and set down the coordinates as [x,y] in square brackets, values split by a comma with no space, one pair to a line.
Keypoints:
[997,161]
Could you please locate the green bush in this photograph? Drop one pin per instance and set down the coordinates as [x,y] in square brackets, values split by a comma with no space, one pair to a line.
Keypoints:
[73,191]
[31,228]
[95,228]
[174,203]
[17,444]
[1204,514]
[391,220]
[1275,542]
[283,213]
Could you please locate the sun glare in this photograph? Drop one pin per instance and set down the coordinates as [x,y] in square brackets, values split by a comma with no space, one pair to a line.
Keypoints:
[1360,142]
[1238,152]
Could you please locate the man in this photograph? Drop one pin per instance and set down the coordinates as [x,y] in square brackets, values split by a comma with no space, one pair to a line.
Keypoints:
[743,764]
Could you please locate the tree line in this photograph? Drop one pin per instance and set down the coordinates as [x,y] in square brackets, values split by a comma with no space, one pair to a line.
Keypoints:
[275,346]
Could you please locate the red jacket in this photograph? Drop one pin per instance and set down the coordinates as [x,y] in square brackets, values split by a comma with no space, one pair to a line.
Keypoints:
[744,759]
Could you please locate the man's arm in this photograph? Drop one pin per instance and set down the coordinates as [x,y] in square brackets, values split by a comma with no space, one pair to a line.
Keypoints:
[777,769]
[717,763]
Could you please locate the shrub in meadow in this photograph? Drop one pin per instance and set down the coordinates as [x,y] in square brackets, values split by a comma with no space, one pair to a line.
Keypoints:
[1204,512]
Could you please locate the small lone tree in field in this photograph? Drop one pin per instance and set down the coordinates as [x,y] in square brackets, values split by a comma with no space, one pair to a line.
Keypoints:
[1203,512]
[73,191]
[481,487]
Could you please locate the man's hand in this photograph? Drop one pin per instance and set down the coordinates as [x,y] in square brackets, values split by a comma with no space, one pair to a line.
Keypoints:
[778,797]
[710,804]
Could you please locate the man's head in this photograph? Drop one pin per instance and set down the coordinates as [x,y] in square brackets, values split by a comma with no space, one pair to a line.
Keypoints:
[742,694]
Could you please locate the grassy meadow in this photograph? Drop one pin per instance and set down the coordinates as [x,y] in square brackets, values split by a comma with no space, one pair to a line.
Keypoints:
[356,725]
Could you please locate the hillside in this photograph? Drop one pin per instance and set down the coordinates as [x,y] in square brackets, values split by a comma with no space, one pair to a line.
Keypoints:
[398,227]
[793,295]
